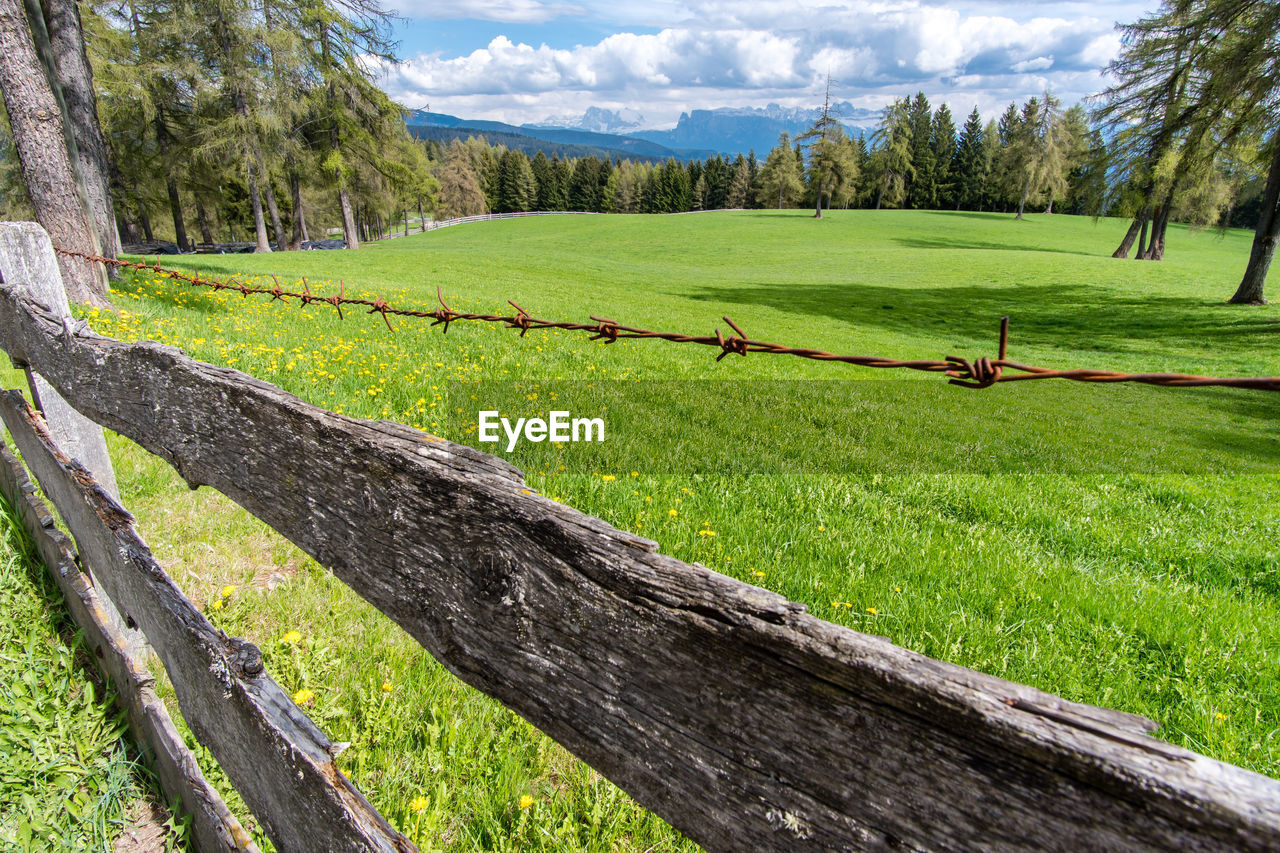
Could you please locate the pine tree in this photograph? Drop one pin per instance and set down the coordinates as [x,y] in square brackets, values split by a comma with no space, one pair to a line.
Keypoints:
[891,159]
[740,185]
[460,193]
[942,139]
[922,188]
[780,182]
[831,166]
[543,176]
[967,171]
[517,189]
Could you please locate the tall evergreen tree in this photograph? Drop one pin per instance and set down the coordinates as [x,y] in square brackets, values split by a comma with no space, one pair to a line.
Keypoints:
[968,173]
[780,181]
[739,185]
[922,187]
[832,166]
[942,139]
[891,158]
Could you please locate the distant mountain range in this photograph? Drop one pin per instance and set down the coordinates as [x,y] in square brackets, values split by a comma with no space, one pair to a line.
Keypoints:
[566,142]
[697,135]
[741,129]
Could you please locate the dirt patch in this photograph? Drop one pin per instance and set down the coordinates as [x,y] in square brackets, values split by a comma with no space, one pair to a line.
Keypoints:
[144,830]
[269,579]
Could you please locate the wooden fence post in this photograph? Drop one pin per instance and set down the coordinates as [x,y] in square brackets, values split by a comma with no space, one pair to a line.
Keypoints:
[28,263]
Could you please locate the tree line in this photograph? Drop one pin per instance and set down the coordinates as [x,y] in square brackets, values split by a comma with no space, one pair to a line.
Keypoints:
[1036,155]
[240,119]
[260,119]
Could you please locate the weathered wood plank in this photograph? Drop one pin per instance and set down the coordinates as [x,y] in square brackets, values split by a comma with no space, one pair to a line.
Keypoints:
[276,757]
[27,260]
[214,828]
[724,708]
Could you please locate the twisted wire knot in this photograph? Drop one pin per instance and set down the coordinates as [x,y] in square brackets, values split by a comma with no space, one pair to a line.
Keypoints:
[606,330]
[982,373]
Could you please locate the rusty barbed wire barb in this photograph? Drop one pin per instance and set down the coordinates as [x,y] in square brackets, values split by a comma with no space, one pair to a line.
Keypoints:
[979,373]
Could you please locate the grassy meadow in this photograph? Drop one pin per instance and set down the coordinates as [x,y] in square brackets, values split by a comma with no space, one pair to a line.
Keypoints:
[67,781]
[1116,545]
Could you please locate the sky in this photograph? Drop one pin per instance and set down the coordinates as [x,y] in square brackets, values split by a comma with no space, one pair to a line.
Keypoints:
[524,61]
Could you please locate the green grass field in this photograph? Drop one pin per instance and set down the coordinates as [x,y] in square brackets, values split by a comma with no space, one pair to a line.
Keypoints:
[67,782]
[1116,545]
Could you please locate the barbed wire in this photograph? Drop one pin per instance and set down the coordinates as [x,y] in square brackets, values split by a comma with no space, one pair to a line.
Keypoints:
[982,372]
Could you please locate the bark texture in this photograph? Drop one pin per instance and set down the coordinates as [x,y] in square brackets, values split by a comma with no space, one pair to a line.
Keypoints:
[299,215]
[348,219]
[75,76]
[724,708]
[41,144]
[1253,284]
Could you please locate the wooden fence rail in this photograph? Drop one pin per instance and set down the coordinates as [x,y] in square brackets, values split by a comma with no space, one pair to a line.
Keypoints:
[724,708]
[215,830]
[486,217]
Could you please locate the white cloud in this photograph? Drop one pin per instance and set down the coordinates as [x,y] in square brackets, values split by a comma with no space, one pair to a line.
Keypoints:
[1040,63]
[738,54]
[503,11]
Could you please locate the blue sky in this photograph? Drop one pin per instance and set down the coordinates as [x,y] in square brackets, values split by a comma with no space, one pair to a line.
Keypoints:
[527,60]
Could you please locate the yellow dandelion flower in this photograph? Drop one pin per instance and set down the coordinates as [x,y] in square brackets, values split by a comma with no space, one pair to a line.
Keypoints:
[217,604]
[635,473]
[1219,716]
[872,611]
[387,687]
[822,527]
[292,636]
[706,533]
[759,574]
[304,696]
[897,589]
[526,801]
[608,478]
[417,804]
[673,513]
[228,591]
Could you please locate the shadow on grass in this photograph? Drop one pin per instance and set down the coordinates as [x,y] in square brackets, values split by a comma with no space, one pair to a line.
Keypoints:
[959,242]
[1071,316]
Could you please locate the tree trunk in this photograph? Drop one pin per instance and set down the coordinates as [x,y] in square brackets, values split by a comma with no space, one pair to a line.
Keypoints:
[422,219]
[255,201]
[129,230]
[39,31]
[41,146]
[883,186]
[179,224]
[166,163]
[817,211]
[1250,291]
[348,219]
[1049,209]
[1026,190]
[1142,235]
[406,222]
[299,217]
[75,76]
[144,219]
[206,233]
[282,240]
[1155,249]
[1122,251]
